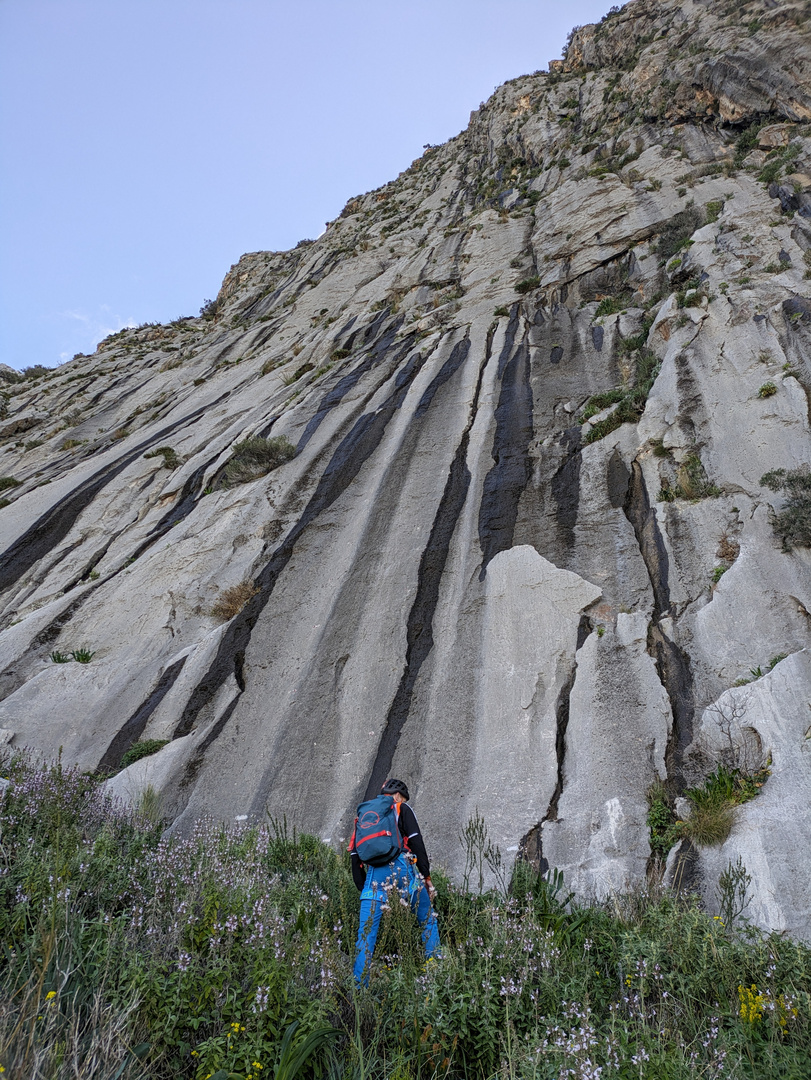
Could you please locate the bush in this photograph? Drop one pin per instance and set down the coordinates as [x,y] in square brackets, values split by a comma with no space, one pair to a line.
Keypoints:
[676,234]
[528,284]
[141,750]
[793,522]
[256,456]
[230,602]
[170,458]
[199,953]
[609,305]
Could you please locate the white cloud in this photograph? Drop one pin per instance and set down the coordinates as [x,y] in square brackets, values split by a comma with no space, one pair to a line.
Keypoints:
[93,328]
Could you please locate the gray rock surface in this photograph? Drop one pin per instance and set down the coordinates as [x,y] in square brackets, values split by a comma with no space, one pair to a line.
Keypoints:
[470,574]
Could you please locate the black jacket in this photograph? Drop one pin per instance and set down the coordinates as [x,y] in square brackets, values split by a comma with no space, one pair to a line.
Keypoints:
[412,837]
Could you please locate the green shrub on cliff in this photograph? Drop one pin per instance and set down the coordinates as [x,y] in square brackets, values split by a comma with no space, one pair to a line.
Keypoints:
[793,523]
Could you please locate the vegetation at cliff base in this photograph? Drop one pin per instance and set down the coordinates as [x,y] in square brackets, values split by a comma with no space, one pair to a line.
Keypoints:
[129,954]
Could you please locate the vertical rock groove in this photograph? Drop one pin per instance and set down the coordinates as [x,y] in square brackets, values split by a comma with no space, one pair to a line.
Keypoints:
[420,633]
[672,664]
[508,478]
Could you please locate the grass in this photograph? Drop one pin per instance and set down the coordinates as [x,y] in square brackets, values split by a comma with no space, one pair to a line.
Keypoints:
[630,400]
[142,749]
[7,482]
[231,601]
[256,456]
[130,954]
[170,458]
[691,483]
[528,284]
[610,305]
[793,523]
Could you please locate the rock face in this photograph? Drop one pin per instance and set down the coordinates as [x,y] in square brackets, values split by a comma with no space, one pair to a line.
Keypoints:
[527,386]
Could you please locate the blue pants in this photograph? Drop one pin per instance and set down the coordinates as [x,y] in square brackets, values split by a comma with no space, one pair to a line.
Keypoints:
[403,874]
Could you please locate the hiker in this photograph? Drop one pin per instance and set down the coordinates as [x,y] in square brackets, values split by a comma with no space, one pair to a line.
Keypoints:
[390,843]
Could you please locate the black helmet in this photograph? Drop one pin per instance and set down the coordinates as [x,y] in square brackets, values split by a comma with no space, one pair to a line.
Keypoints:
[395,787]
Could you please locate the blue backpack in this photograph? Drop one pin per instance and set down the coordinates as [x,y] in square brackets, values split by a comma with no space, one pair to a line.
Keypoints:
[376,838]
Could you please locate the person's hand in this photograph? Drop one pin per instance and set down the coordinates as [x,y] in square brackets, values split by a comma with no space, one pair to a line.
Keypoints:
[431,890]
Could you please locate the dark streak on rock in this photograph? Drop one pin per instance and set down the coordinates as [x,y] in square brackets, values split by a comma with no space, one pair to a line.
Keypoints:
[52,527]
[132,730]
[338,392]
[419,630]
[343,467]
[672,664]
[509,476]
[565,488]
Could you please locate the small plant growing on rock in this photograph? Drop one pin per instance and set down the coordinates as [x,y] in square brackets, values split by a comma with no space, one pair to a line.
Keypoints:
[502,311]
[60,657]
[340,354]
[256,456]
[528,284]
[767,390]
[793,523]
[82,656]
[8,482]
[230,602]
[141,750]
[718,573]
[297,374]
[609,305]
[170,458]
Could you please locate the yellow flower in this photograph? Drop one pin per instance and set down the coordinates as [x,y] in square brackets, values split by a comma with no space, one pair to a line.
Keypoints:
[627,980]
[256,1065]
[194,1053]
[50,994]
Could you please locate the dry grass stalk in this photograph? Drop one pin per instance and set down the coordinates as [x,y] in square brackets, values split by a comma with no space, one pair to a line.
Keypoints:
[230,602]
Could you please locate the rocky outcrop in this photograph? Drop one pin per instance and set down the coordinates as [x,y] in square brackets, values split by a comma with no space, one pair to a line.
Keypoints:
[533,385]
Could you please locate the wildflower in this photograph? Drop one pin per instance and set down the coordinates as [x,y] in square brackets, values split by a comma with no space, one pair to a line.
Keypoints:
[50,995]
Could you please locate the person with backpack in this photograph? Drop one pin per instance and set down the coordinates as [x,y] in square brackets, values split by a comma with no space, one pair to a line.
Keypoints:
[385,846]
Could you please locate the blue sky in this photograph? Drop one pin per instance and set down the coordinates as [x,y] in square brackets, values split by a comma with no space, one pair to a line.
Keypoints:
[146,144]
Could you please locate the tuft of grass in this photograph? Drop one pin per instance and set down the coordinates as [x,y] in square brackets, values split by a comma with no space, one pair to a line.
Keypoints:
[60,657]
[7,482]
[297,374]
[502,311]
[691,483]
[255,456]
[82,656]
[231,601]
[142,749]
[630,400]
[610,305]
[340,354]
[170,458]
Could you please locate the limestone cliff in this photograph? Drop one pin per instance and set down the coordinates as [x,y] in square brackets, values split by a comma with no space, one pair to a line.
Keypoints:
[533,385]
